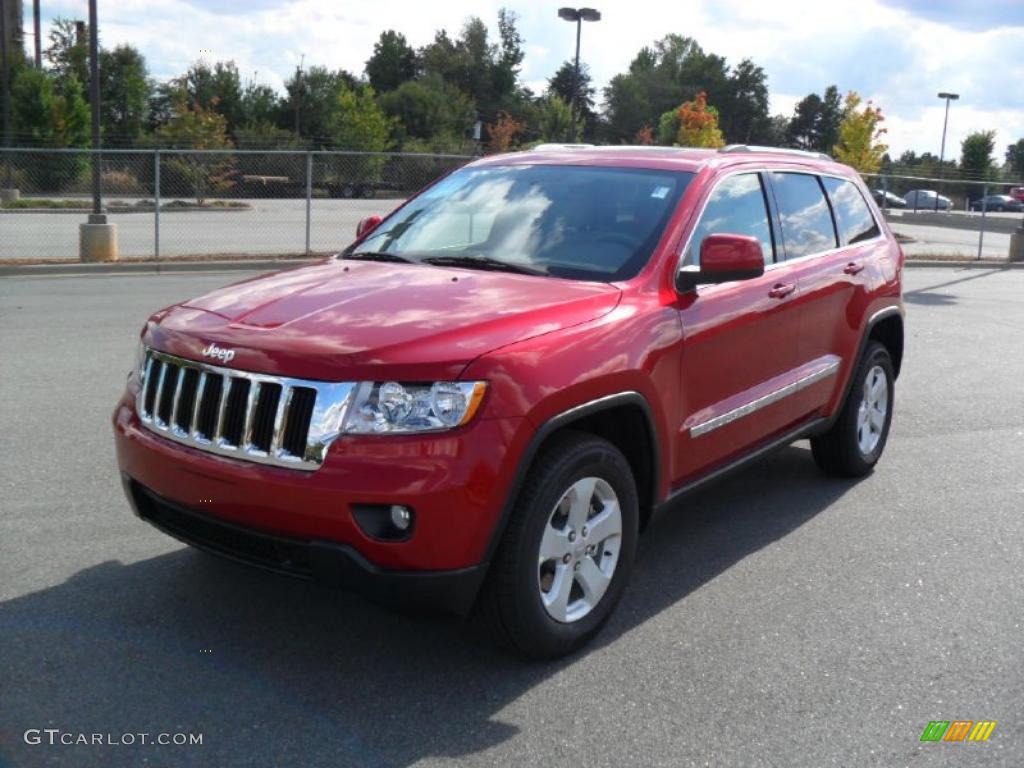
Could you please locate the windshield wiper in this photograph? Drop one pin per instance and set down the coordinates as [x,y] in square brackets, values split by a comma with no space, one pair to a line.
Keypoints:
[483,262]
[377,256]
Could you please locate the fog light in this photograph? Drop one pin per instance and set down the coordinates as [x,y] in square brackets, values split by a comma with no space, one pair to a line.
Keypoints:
[401,517]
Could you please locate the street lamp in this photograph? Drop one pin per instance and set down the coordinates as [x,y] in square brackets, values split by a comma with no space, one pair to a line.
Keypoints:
[579,15]
[942,151]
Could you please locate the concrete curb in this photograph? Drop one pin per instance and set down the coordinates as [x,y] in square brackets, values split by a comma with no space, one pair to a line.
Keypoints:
[965,264]
[147,267]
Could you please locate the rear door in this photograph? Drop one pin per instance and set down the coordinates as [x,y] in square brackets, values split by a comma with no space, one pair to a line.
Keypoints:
[832,266]
[739,338]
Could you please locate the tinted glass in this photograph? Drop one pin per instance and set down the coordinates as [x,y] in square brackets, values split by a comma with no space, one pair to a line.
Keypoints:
[804,213]
[853,217]
[736,207]
[580,222]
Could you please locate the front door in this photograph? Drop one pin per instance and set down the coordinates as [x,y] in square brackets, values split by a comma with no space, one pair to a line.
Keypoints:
[739,339]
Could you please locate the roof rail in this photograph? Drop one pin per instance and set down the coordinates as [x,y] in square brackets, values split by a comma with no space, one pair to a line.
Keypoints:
[551,146]
[778,150]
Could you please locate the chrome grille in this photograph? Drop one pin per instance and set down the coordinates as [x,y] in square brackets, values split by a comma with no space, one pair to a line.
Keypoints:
[250,416]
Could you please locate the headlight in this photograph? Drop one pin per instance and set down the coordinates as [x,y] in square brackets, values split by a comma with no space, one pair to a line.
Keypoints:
[390,407]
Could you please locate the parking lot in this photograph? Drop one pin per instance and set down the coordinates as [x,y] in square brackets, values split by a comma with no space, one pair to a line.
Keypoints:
[776,618]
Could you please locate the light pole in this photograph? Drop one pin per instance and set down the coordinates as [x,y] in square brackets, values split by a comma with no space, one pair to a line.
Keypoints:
[942,150]
[579,15]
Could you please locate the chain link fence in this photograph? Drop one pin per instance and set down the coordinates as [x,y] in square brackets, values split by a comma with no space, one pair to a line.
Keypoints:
[280,203]
[204,203]
[950,216]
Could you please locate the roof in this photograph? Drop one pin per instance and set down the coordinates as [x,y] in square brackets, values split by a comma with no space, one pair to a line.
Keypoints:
[674,158]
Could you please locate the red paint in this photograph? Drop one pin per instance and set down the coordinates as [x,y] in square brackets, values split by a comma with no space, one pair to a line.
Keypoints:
[544,346]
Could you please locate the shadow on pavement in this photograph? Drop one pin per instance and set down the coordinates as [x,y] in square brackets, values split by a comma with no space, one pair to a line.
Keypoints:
[279,672]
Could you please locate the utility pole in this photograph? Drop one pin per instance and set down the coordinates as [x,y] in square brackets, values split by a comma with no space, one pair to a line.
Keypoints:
[97,240]
[5,97]
[942,150]
[37,27]
[577,15]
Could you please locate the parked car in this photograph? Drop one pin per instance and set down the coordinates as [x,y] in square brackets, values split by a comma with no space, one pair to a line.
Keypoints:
[997,203]
[924,199]
[886,199]
[480,403]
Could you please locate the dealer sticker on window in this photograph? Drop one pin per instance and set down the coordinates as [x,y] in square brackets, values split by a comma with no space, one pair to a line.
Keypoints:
[659,193]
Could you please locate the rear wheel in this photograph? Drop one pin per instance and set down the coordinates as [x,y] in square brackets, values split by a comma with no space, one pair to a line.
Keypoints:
[855,442]
[568,550]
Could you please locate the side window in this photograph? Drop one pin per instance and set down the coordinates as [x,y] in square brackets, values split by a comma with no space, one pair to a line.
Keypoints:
[736,207]
[804,214]
[853,217]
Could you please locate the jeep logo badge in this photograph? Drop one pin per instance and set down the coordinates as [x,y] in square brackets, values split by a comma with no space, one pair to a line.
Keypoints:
[224,355]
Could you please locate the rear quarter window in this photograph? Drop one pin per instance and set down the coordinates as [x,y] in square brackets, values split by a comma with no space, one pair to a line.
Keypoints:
[853,217]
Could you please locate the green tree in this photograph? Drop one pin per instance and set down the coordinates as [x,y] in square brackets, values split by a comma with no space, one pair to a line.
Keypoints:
[815,122]
[360,124]
[976,161]
[561,84]
[194,126]
[1015,159]
[68,51]
[505,69]
[312,101]
[556,120]
[428,107]
[218,88]
[744,109]
[860,134]
[126,90]
[260,107]
[393,62]
[50,113]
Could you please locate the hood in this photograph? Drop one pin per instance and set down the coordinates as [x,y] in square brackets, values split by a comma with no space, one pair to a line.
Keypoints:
[353,319]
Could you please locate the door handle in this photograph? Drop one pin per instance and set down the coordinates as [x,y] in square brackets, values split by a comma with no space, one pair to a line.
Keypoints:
[853,268]
[781,290]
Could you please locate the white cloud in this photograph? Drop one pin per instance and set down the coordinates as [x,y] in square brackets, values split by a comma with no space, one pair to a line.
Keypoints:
[899,52]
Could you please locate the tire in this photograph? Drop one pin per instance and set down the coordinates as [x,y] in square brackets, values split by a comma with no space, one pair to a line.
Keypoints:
[522,601]
[855,442]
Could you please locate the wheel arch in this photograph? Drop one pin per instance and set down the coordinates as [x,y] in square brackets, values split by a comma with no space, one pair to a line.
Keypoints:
[604,417]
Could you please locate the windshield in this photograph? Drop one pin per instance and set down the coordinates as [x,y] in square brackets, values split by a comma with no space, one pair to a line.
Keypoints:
[579,222]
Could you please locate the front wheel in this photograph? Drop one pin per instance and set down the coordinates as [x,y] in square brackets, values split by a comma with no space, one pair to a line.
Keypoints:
[568,550]
[854,444]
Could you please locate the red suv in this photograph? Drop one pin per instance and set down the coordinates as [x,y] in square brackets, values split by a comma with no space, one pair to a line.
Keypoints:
[479,404]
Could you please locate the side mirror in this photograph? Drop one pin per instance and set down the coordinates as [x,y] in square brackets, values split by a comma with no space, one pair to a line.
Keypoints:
[723,258]
[367,225]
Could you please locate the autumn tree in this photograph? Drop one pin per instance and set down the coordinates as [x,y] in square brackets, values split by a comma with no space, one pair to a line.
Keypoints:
[502,132]
[698,124]
[860,134]
[644,137]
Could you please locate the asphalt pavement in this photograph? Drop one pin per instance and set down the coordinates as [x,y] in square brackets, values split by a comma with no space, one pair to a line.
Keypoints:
[777,618]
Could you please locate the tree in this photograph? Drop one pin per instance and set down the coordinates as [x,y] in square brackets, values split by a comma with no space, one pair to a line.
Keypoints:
[644,137]
[860,135]
[561,84]
[744,111]
[218,88]
[976,160]
[393,62]
[505,70]
[313,101]
[698,124]
[50,113]
[429,107]
[502,133]
[360,124]
[194,126]
[126,89]
[815,122]
[1015,159]
[68,51]
[260,107]
[556,120]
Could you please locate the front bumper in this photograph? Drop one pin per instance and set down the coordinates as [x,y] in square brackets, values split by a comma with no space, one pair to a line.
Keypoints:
[456,482]
[326,562]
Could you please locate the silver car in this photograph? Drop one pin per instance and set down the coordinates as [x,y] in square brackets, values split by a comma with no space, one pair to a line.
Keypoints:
[925,199]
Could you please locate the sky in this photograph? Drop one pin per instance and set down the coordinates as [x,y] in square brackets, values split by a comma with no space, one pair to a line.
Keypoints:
[898,53]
